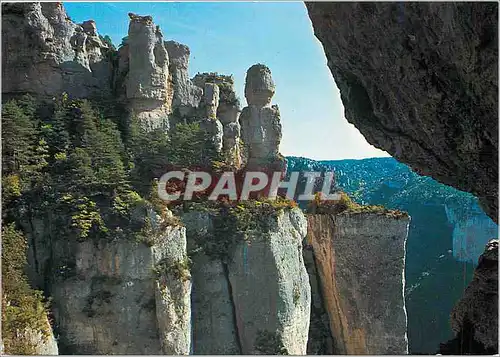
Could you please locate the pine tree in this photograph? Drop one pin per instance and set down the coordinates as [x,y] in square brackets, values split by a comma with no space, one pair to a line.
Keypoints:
[18,138]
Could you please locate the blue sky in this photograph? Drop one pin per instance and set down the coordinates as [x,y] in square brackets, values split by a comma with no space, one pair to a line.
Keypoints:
[229,37]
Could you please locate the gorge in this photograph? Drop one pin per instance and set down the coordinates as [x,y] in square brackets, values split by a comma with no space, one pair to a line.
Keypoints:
[127,273]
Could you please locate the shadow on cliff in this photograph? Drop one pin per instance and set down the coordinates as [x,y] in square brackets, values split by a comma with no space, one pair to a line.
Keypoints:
[465,344]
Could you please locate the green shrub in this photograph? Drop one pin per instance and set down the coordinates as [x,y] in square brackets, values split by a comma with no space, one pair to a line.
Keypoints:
[346,205]
[269,343]
[179,269]
[85,216]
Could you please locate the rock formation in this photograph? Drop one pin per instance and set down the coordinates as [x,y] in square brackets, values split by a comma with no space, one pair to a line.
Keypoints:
[116,296]
[278,313]
[148,73]
[46,54]
[186,96]
[420,80]
[212,302]
[211,99]
[258,291]
[360,260]
[210,123]
[228,112]
[260,122]
[94,47]
[474,319]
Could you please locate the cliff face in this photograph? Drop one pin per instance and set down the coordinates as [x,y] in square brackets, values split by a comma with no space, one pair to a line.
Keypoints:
[113,296]
[447,234]
[420,81]
[45,53]
[258,290]
[474,318]
[186,96]
[124,298]
[360,262]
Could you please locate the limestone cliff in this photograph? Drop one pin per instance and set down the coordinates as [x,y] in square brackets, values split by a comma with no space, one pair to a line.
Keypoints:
[250,287]
[254,283]
[420,81]
[45,53]
[121,296]
[186,96]
[360,262]
[474,318]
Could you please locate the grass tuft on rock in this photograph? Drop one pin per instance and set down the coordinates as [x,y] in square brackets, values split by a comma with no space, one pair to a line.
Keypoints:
[345,205]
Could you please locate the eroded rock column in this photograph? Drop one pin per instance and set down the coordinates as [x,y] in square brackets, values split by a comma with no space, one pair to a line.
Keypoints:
[211,124]
[260,122]
[186,96]
[148,73]
[228,112]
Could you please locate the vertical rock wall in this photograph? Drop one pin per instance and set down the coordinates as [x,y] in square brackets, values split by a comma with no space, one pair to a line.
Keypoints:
[257,299]
[125,298]
[474,318]
[360,260]
[186,96]
[214,329]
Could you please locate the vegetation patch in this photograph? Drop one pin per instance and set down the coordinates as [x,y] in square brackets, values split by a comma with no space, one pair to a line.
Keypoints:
[225,84]
[23,308]
[180,269]
[296,294]
[345,205]
[235,221]
[269,343]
